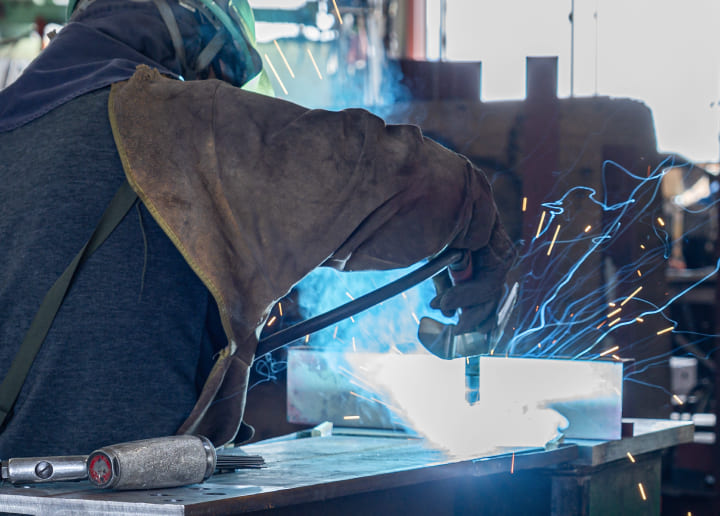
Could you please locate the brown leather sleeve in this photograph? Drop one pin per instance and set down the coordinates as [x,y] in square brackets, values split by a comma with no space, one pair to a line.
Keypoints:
[375,196]
[256,191]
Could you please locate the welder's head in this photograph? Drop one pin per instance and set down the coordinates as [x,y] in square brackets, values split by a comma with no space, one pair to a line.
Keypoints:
[215,36]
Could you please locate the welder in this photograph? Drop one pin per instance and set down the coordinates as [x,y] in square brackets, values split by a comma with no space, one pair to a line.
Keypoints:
[138,122]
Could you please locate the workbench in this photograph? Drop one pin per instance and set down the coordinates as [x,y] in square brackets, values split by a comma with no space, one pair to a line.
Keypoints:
[386,474]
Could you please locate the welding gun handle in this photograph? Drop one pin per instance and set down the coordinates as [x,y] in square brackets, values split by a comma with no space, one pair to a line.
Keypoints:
[299,330]
[462,270]
[35,470]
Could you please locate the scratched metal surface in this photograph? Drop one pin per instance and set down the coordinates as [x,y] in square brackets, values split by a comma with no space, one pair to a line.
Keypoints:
[322,468]
[297,471]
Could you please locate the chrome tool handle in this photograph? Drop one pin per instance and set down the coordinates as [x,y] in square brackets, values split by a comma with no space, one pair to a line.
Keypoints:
[35,470]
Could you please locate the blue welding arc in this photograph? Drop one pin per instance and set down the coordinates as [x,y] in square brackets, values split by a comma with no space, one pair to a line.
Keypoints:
[299,330]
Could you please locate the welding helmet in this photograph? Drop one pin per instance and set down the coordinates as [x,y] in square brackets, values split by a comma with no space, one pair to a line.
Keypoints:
[230,46]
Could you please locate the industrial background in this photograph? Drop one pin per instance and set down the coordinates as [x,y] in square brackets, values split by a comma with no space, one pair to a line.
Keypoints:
[557,165]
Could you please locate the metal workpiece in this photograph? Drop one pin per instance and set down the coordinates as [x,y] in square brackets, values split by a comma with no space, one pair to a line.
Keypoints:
[33,470]
[588,393]
[153,463]
[326,386]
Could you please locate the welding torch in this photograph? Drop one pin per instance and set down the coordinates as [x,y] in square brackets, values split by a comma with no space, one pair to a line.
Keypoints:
[432,267]
[439,338]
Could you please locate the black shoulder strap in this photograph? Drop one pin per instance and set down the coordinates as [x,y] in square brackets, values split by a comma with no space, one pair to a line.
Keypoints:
[13,382]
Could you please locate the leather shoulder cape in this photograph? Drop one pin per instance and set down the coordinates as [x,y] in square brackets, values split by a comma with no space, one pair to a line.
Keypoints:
[256,192]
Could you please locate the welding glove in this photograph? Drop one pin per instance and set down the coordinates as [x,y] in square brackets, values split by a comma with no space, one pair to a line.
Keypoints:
[474,287]
[477,288]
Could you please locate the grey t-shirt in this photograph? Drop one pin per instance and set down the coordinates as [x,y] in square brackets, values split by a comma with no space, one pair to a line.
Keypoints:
[133,341]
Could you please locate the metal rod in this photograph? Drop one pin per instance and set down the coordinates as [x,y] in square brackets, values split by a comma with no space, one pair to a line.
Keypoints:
[299,330]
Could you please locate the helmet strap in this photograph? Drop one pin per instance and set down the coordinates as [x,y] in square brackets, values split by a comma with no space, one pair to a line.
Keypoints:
[211,50]
[172,27]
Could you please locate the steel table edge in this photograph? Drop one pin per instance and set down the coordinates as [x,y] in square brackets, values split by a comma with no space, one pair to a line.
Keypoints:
[535,458]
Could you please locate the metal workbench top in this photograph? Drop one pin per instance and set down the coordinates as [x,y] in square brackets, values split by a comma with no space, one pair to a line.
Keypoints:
[648,435]
[323,468]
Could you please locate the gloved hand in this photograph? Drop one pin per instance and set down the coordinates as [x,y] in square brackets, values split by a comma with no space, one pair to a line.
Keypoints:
[476,288]
[477,291]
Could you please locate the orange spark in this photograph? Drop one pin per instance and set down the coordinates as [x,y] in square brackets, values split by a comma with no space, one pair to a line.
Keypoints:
[614,312]
[587,229]
[642,491]
[631,296]
[608,351]
[616,357]
[524,205]
[314,64]
[677,398]
[661,221]
[276,74]
[307,338]
[283,58]
[639,273]
[280,308]
[350,417]
[639,319]
[629,456]
[666,330]
[557,230]
[600,325]
[542,219]
[337,12]
[614,322]
[272,320]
